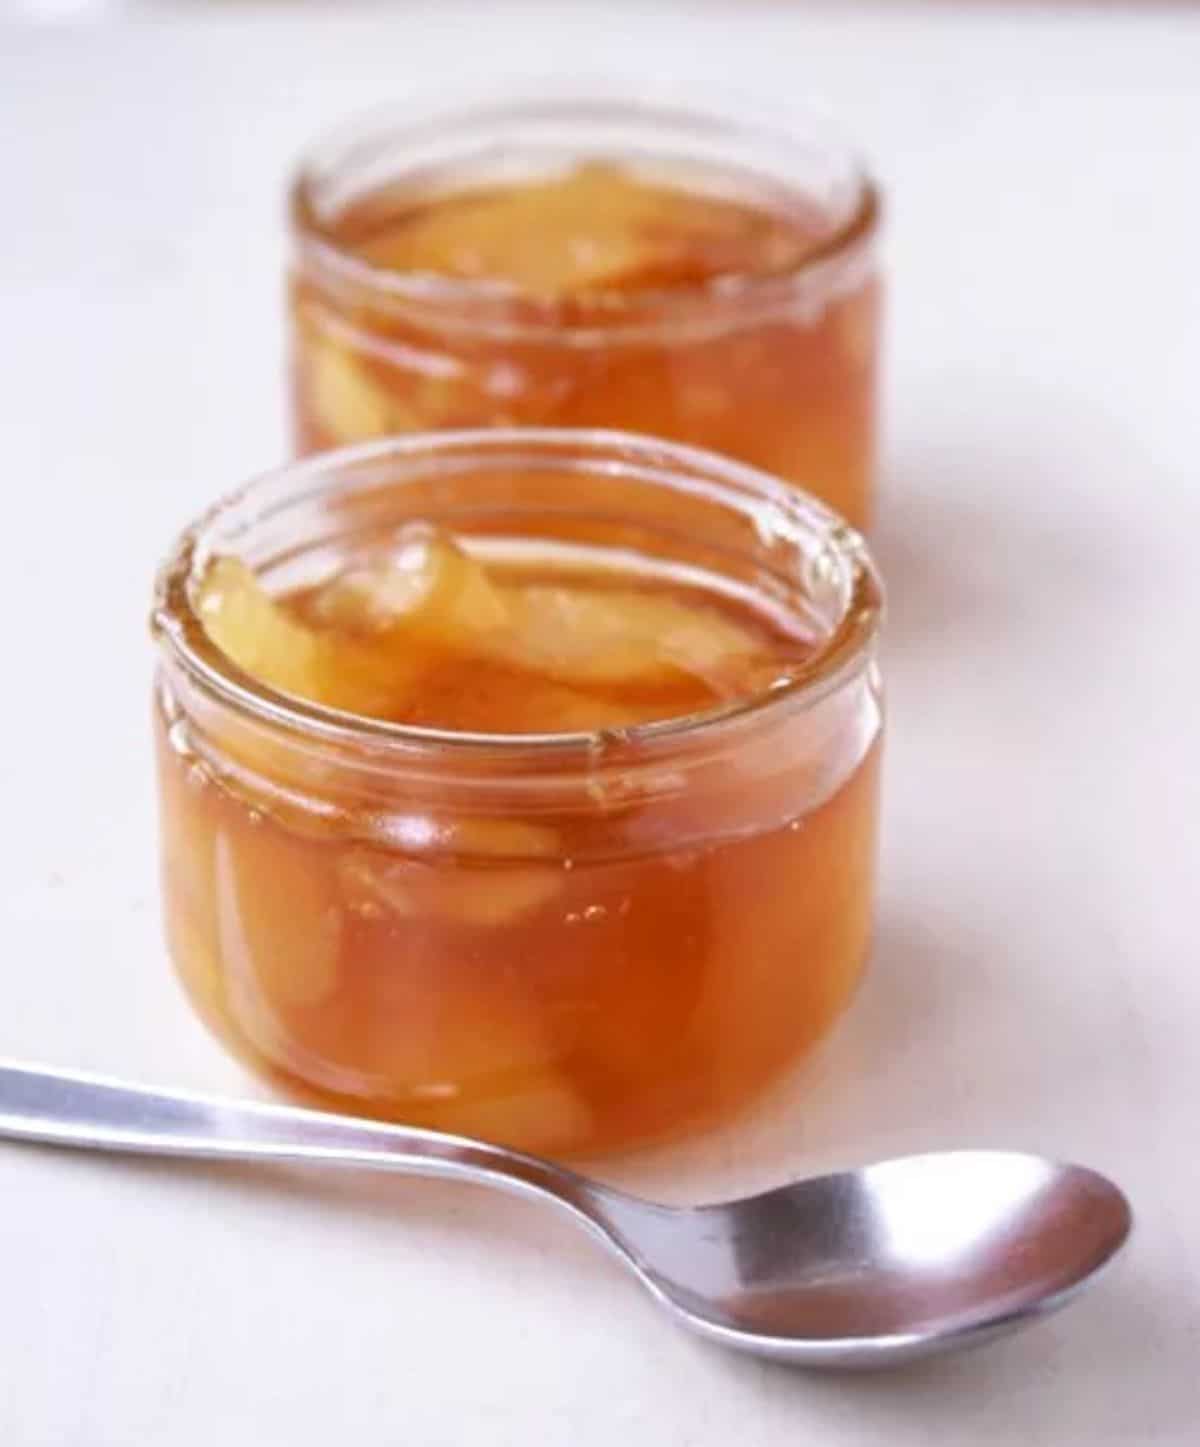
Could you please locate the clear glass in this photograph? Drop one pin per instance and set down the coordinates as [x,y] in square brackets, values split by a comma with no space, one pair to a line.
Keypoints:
[776,368]
[564,942]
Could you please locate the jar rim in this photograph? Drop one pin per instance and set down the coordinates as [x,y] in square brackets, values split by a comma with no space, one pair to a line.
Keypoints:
[484,306]
[845,653]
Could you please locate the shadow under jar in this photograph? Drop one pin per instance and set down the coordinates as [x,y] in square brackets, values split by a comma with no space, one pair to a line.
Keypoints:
[688,274]
[563,941]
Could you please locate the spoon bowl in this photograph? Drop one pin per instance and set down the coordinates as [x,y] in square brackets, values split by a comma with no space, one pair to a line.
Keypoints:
[884,1264]
[863,1268]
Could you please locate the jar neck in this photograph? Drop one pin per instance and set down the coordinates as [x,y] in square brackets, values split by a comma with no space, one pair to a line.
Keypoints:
[447,150]
[435,307]
[621,794]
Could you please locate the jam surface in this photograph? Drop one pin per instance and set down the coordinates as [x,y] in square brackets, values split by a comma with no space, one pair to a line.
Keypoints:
[593,229]
[428,635]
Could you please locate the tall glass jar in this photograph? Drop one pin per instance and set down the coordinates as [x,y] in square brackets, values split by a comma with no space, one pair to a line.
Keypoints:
[775,366]
[564,942]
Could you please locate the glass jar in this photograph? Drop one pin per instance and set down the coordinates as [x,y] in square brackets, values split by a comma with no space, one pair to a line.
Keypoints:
[564,942]
[775,366]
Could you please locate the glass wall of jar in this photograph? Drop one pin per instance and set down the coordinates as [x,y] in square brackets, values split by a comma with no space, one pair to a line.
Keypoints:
[564,941]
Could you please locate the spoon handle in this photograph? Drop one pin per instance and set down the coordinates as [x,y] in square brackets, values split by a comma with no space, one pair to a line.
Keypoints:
[70,1108]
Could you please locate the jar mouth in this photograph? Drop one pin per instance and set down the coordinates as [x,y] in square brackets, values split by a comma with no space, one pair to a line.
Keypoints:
[835,555]
[607,126]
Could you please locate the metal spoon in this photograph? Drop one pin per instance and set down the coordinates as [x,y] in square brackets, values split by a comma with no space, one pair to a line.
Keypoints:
[860,1269]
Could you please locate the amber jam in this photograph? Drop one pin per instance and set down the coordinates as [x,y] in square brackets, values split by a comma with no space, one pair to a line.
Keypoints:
[520,784]
[601,265]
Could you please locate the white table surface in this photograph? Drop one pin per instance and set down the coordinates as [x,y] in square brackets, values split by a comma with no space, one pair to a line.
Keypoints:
[1037,978]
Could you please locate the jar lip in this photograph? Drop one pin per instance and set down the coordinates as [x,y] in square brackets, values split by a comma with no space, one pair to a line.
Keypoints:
[484,306]
[847,651]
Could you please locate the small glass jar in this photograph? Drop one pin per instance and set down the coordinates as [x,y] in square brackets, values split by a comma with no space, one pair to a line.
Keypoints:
[564,942]
[775,367]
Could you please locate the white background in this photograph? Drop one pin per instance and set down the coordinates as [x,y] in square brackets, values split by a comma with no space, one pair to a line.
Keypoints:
[1037,976]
